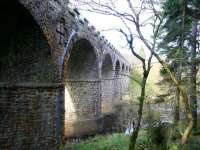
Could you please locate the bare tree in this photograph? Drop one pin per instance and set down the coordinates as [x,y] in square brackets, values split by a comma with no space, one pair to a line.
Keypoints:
[133,25]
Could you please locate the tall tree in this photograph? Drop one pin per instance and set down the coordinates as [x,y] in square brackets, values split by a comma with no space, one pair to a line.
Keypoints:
[193,67]
[172,45]
[184,40]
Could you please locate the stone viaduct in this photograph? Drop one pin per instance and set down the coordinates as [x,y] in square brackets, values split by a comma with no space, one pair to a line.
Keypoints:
[58,75]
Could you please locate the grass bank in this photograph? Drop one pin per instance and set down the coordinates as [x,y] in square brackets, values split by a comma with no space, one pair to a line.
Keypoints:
[108,142]
[121,142]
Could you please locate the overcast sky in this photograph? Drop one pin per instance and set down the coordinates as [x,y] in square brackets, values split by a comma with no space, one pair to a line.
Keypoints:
[104,22]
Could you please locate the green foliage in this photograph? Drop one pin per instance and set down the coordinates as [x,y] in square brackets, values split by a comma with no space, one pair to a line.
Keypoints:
[161,138]
[61,147]
[196,131]
[163,71]
[193,143]
[110,142]
[143,140]
[174,147]
[151,88]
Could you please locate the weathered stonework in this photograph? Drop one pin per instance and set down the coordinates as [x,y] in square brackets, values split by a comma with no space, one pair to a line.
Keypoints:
[71,75]
[28,116]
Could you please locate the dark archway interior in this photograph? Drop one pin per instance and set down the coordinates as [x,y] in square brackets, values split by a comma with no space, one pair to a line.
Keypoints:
[82,63]
[107,68]
[117,69]
[123,68]
[24,51]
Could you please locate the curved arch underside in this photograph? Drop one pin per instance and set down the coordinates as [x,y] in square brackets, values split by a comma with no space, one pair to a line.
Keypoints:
[25,53]
[81,90]
[107,68]
[123,68]
[117,84]
[82,63]
[117,69]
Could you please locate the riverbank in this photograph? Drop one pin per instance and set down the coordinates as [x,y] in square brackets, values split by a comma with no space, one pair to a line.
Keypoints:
[120,141]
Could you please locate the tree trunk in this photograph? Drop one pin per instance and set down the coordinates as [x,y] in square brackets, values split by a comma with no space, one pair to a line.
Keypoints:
[184,95]
[193,74]
[177,106]
[134,135]
[177,96]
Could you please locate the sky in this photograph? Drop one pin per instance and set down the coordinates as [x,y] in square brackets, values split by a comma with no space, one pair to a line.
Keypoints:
[105,25]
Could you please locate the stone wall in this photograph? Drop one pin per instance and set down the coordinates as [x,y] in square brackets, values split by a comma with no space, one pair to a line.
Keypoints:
[28,116]
[25,55]
[118,88]
[82,108]
[107,88]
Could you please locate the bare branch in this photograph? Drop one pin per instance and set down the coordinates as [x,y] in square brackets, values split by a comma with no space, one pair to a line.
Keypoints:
[129,39]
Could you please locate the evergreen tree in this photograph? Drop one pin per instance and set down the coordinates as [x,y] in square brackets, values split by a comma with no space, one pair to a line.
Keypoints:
[179,46]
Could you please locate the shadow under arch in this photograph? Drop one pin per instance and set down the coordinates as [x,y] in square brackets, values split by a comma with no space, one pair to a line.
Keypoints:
[25,54]
[82,62]
[117,81]
[107,85]
[107,69]
[117,69]
[123,68]
[80,77]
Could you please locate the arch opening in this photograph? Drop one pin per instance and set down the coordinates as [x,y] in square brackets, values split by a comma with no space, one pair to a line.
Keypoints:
[117,69]
[107,84]
[25,52]
[107,67]
[80,76]
[82,63]
[123,68]
[117,86]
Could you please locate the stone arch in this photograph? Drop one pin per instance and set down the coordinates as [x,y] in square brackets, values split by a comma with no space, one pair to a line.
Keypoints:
[82,63]
[123,67]
[80,76]
[69,46]
[25,53]
[107,84]
[107,69]
[117,81]
[117,68]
